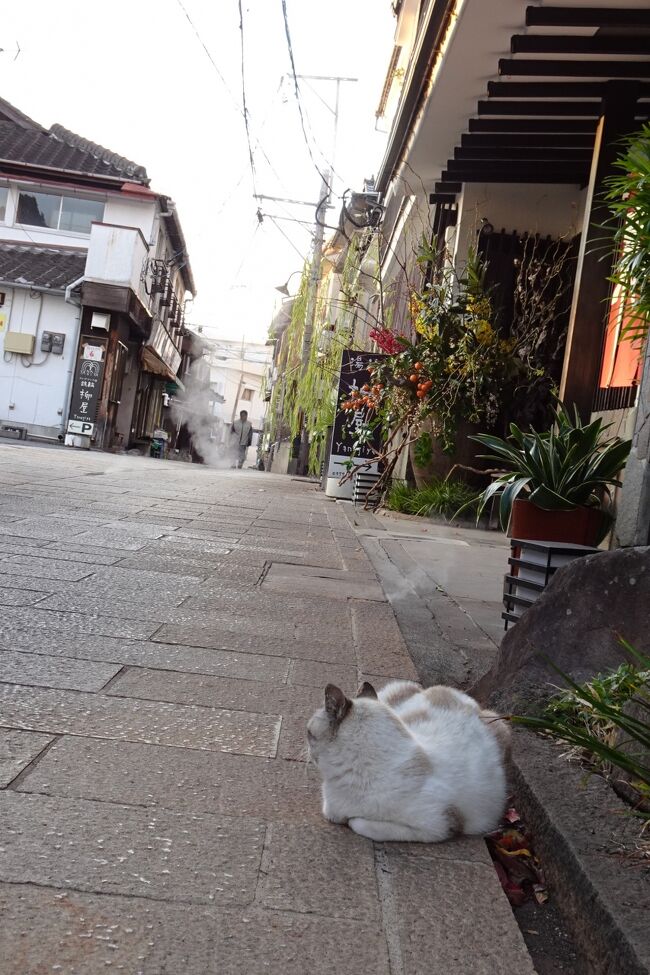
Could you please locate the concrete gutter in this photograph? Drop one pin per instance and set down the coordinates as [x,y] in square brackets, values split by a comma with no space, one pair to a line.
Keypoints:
[586,836]
[589,842]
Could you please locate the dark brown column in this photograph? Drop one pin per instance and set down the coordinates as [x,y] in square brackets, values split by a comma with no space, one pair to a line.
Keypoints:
[596,257]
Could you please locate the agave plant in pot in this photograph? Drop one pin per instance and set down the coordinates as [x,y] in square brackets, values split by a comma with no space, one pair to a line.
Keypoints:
[556,486]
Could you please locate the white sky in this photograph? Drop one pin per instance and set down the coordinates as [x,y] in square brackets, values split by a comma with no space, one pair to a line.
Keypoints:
[132,75]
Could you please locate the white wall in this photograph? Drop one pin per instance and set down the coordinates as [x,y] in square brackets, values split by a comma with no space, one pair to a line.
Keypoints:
[34,389]
[536,208]
[131,213]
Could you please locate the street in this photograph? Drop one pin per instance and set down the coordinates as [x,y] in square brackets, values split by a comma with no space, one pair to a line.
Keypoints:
[166,631]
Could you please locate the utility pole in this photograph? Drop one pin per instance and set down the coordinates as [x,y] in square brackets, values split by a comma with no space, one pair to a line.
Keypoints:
[324,197]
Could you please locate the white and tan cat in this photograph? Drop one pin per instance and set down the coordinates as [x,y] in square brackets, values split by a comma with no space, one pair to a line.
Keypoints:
[409,764]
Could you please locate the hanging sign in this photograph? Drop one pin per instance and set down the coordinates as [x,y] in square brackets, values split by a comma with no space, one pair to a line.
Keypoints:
[354,375]
[87,389]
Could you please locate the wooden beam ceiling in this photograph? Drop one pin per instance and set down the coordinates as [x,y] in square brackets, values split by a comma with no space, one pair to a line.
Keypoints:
[556,153]
[529,67]
[528,139]
[540,126]
[579,44]
[570,126]
[571,171]
[506,175]
[552,89]
[549,108]
[612,16]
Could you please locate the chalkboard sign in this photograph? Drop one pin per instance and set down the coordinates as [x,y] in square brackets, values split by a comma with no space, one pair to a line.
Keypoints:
[87,388]
[354,375]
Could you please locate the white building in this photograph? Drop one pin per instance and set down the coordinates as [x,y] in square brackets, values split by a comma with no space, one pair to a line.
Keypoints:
[237,370]
[94,274]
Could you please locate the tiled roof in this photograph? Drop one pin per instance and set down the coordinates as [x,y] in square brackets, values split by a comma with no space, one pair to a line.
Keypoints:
[22,140]
[41,267]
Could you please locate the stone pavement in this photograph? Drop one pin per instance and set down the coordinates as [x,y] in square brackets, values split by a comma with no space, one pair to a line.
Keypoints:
[165,631]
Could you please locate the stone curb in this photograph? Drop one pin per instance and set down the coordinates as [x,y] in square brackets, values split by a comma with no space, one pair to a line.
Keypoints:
[586,839]
[584,833]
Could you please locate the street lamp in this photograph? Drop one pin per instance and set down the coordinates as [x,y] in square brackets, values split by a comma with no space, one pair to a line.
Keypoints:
[284,288]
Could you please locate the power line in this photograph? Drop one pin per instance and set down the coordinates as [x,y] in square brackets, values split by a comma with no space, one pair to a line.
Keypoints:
[243,96]
[241,111]
[286,236]
[210,58]
[297,94]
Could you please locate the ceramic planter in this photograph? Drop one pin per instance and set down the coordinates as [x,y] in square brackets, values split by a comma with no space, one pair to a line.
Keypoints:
[580,526]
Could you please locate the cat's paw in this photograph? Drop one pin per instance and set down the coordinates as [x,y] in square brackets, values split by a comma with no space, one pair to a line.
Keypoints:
[334,817]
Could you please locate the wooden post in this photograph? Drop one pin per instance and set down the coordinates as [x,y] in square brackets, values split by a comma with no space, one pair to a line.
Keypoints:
[596,257]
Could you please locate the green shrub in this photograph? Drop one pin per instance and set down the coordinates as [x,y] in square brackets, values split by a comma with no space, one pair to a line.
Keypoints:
[438,498]
[594,718]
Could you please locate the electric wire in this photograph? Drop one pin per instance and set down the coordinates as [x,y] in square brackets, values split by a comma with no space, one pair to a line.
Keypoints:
[286,237]
[233,98]
[243,96]
[296,87]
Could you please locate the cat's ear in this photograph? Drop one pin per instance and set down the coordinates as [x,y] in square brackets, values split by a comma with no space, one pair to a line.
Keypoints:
[336,703]
[367,690]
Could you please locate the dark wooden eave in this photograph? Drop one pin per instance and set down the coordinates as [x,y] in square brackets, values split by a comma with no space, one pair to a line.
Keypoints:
[532,67]
[613,16]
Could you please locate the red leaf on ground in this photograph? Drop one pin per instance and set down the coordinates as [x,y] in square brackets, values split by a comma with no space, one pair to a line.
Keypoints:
[515,894]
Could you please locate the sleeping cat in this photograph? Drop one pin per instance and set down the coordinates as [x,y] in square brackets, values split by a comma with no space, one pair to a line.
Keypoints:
[409,764]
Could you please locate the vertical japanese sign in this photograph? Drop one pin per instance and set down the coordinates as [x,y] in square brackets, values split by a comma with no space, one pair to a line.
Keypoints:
[87,388]
[354,375]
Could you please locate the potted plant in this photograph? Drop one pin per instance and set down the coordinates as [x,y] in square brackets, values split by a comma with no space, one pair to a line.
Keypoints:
[557,484]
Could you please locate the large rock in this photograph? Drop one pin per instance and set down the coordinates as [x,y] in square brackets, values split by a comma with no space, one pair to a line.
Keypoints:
[575,623]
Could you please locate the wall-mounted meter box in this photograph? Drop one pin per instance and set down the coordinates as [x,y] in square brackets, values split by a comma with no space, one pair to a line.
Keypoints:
[20,342]
[53,342]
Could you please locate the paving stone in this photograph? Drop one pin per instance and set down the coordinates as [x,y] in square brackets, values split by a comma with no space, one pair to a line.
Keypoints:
[49,620]
[171,564]
[20,597]
[292,745]
[319,871]
[141,653]
[210,782]
[46,527]
[98,716]
[479,933]
[44,671]
[19,546]
[192,547]
[17,750]
[229,639]
[113,537]
[108,848]
[217,692]
[87,934]
[314,673]
[378,641]
[44,567]
[67,553]
[335,584]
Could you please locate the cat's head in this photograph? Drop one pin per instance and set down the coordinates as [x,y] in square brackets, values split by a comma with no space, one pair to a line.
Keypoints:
[339,720]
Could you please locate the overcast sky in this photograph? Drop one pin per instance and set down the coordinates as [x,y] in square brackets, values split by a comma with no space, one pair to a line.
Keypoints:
[133,76]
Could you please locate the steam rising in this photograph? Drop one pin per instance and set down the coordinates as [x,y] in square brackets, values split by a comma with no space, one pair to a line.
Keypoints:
[193,407]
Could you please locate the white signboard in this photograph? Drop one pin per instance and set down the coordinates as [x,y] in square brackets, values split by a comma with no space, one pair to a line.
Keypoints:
[81,426]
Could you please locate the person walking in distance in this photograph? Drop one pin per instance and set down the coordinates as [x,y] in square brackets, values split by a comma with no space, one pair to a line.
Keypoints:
[242,434]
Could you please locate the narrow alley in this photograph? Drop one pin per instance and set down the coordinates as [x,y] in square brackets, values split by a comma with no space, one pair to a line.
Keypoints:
[166,631]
